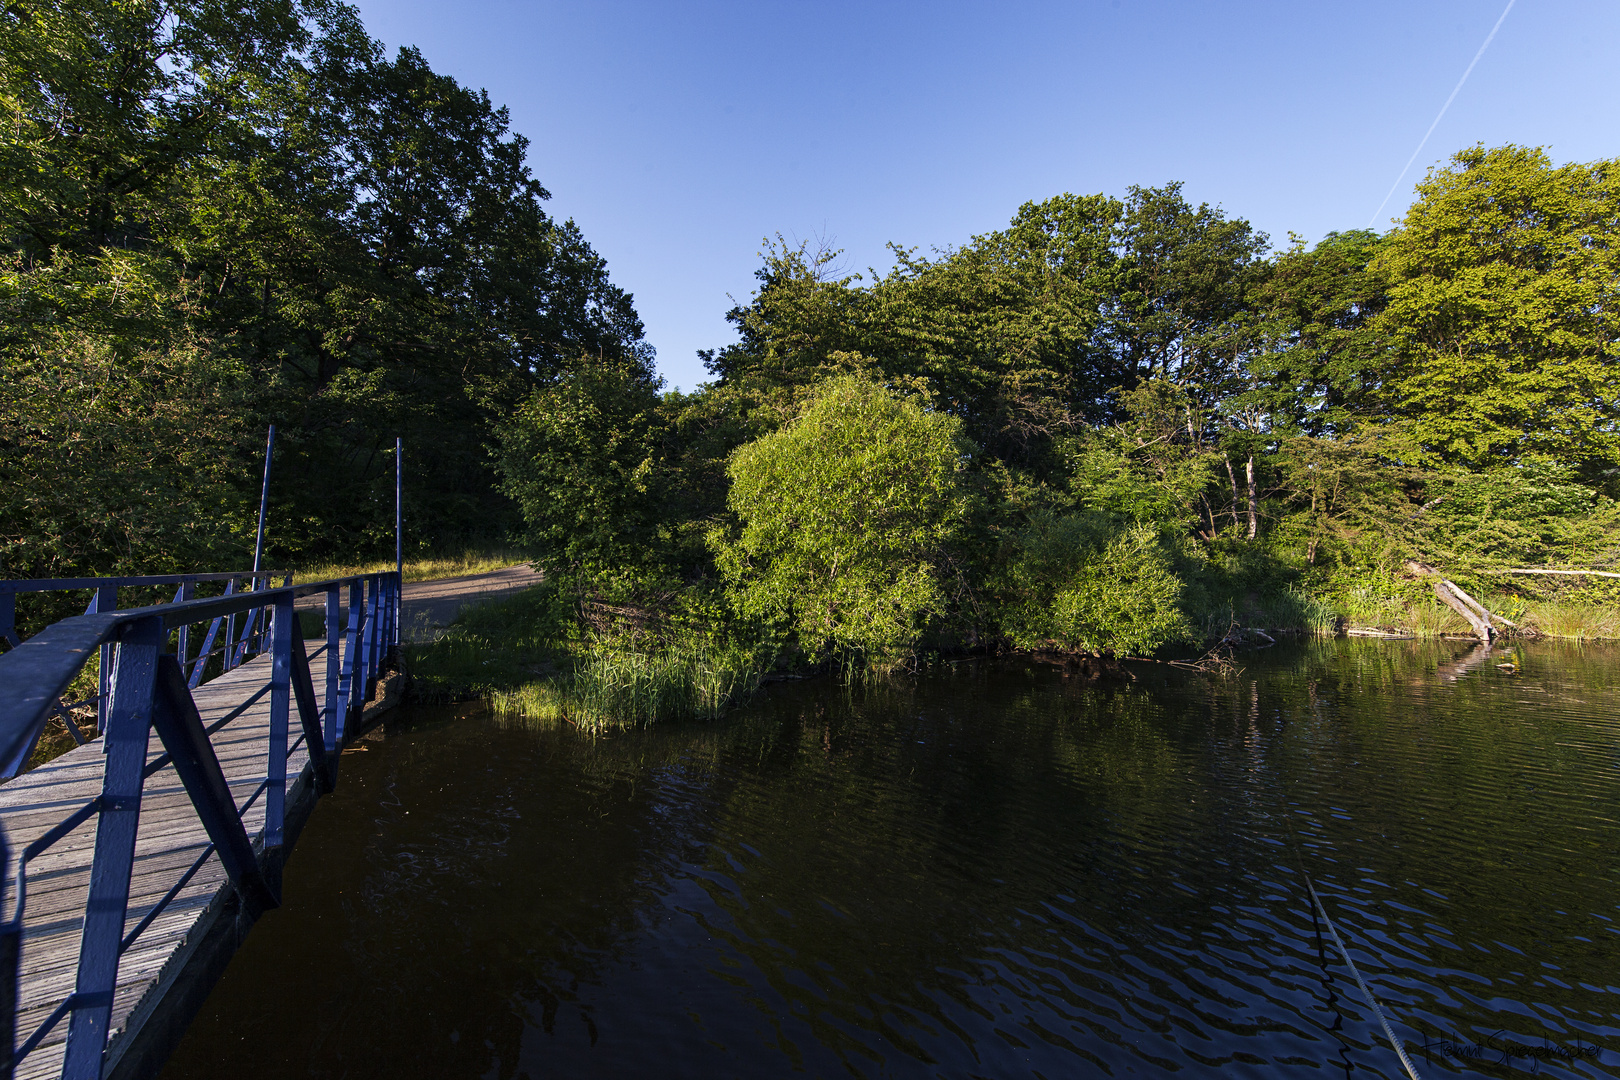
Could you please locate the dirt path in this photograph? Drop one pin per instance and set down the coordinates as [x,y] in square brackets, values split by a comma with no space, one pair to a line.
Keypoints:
[429,606]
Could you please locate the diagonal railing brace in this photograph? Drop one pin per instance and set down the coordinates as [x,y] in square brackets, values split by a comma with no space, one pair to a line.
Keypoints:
[181,728]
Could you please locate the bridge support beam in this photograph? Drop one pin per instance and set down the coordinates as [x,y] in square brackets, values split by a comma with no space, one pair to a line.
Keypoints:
[129,723]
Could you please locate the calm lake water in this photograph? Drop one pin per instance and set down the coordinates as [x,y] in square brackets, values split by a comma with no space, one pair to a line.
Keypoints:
[990,871]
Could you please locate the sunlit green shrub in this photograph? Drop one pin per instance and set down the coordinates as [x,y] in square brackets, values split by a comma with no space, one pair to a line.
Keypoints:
[1078,585]
[847,520]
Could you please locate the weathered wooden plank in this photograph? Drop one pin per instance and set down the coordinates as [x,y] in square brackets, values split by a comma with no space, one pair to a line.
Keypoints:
[169,839]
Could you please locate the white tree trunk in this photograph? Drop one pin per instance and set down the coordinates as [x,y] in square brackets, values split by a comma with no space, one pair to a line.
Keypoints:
[1254,500]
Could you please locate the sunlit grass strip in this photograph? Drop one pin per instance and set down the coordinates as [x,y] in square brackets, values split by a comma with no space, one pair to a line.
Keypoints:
[631,689]
[1572,619]
[427,568]
[1553,618]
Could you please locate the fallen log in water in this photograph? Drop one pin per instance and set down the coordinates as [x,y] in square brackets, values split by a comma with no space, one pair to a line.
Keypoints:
[1471,602]
[1452,595]
[1452,598]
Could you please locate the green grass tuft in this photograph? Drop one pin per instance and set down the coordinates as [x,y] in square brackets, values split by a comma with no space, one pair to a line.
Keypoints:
[1572,619]
[631,689]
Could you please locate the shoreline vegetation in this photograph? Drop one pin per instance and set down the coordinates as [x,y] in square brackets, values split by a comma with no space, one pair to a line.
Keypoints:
[524,663]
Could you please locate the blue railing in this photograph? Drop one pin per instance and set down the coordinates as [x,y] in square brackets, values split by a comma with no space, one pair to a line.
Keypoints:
[148,673]
[234,649]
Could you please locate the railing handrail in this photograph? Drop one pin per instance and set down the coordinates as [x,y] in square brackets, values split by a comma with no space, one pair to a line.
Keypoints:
[34,673]
[27,585]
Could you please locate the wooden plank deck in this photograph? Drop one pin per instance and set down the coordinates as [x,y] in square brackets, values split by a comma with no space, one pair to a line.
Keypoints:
[169,840]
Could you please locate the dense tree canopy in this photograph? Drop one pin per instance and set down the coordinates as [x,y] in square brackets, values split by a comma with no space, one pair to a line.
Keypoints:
[1026,332]
[247,213]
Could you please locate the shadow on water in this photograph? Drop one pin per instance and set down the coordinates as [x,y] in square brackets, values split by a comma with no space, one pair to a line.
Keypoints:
[994,870]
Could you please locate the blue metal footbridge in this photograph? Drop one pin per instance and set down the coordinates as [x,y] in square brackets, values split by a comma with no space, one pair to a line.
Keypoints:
[133,867]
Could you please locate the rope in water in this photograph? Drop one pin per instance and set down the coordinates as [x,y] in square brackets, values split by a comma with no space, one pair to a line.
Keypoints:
[1351,964]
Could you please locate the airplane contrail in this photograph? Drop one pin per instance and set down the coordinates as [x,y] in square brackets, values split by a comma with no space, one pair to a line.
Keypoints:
[1488,39]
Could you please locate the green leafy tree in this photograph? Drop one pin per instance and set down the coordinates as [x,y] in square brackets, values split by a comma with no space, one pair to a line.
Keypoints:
[128,457]
[1152,467]
[1315,363]
[847,518]
[1183,292]
[581,458]
[1503,312]
[1005,327]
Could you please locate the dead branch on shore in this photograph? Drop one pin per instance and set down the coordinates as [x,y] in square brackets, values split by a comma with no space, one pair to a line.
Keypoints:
[1559,573]
[1218,658]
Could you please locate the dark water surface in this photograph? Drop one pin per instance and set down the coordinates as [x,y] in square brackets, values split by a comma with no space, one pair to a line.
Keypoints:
[990,871]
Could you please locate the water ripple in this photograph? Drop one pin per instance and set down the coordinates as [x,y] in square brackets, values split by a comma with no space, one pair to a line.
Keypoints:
[989,872]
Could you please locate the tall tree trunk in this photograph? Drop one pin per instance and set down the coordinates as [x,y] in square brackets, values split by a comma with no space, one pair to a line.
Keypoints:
[1254,500]
[1232,476]
[1310,551]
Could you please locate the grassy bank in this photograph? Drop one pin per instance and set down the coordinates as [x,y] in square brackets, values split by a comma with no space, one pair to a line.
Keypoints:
[610,689]
[1396,604]
[529,658]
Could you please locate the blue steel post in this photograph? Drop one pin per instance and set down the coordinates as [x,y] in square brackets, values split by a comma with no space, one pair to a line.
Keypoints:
[384,628]
[373,635]
[264,502]
[351,656]
[230,631]
[188,591]
[391,612]
[129,723]
[362,656]
[362,664]
[334,667]
[106,599]
[275,796]
[399,525]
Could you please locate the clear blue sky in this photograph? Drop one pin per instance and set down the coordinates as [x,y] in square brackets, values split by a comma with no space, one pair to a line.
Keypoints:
[679,134]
